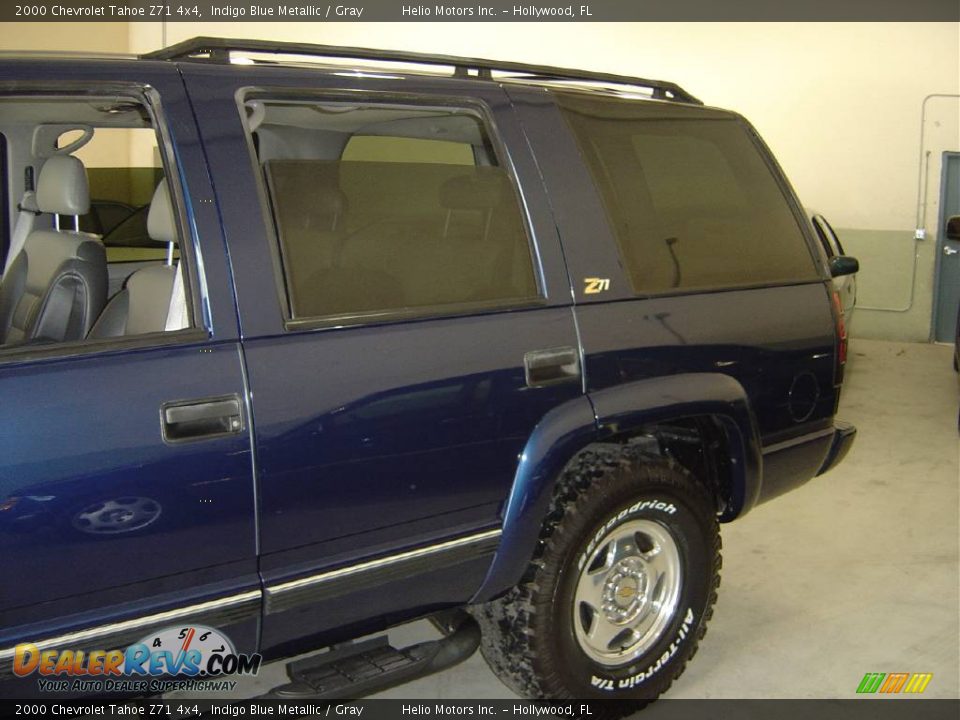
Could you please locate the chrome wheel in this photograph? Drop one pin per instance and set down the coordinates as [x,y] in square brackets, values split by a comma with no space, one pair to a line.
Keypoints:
[627,592]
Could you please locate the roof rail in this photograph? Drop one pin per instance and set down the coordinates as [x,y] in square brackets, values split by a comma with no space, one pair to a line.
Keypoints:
[212,49]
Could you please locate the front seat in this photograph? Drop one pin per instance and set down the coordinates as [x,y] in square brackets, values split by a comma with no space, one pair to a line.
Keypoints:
[56,286]
[144,303]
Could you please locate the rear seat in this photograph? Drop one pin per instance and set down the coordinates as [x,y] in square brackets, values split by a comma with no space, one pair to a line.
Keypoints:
[412,237]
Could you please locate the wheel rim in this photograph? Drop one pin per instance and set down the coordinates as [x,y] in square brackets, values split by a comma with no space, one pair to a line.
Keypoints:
[627,592]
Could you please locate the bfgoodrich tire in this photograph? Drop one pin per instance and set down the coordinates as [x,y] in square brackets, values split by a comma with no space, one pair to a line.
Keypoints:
[620,592]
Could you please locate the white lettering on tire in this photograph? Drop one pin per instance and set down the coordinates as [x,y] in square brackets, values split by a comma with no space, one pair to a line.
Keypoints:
[668,508]
[629,682]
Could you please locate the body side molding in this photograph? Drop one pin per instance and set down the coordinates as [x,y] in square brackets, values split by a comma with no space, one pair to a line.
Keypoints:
[338,582]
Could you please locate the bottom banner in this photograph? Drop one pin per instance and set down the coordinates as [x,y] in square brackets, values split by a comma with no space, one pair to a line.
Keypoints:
[862,709]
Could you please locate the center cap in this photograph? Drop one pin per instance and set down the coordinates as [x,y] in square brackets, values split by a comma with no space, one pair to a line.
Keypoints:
[626,592]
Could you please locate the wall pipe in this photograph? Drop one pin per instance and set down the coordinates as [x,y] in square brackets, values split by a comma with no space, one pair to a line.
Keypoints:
[923,179]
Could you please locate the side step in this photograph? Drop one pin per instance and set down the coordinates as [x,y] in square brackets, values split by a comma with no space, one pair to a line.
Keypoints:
[367,667]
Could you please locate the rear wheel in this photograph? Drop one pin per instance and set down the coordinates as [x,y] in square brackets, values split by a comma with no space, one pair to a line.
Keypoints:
[621,590]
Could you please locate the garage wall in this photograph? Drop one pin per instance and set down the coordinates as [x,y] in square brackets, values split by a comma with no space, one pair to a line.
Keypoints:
[110,37]
[839,103]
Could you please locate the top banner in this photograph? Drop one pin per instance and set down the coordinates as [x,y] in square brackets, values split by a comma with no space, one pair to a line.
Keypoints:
[479,10]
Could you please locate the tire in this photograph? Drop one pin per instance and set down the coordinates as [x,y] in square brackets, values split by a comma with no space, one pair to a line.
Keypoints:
[547,638]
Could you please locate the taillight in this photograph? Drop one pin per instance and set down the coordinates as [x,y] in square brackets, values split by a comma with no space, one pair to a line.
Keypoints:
[840,329]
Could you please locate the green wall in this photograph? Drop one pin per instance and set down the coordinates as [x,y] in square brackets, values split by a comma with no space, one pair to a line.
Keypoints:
[886,259]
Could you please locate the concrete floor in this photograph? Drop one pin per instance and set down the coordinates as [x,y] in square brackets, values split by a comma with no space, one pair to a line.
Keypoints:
[856,572]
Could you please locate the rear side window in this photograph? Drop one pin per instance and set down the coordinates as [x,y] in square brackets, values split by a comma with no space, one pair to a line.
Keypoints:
[692,202]
[390,210]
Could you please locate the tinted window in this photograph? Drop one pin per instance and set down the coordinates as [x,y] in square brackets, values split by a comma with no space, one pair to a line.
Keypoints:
[373,216]
[692,202]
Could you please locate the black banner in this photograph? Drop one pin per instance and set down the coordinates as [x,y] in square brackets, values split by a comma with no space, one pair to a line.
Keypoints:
[855,709]
[477,10]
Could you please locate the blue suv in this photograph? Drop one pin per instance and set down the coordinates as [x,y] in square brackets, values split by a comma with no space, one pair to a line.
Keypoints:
[494,344]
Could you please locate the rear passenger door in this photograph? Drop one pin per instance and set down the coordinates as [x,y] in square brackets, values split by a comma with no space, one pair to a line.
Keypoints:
[400,267]
[125,490]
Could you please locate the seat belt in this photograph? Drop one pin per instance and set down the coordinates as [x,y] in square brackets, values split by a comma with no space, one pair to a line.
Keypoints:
[28,212]
[177,311]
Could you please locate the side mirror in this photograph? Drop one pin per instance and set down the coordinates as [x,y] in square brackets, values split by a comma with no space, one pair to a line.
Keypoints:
[843,265]
[953,228]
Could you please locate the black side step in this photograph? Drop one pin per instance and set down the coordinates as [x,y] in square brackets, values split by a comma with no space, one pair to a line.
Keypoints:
[363,668]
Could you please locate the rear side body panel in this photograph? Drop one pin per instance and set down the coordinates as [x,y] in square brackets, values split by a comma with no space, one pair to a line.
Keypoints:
[777,342]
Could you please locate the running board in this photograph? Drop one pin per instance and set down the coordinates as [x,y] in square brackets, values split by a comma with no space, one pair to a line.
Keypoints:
[363,668]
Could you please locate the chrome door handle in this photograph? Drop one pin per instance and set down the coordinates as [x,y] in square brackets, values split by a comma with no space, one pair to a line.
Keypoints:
[947,250]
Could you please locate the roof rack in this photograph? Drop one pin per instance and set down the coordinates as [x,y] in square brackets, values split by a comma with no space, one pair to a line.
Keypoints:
[210,49]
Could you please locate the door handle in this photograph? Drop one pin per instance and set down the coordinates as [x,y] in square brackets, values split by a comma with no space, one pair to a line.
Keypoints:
[546,367]
[186,420]
[947,250]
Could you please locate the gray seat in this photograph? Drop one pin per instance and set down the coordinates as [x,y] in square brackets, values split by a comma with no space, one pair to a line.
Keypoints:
[143,304]
[56,286]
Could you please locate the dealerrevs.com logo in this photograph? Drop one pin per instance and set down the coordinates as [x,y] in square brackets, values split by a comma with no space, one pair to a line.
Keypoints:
[195,655]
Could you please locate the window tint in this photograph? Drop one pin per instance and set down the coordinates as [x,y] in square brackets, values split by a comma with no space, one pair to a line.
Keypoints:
[374,216]
[692,202]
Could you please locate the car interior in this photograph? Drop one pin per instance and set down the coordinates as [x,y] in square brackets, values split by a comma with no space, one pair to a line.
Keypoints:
[90,238]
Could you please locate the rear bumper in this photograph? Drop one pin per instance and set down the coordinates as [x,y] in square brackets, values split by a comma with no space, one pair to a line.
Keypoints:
[789,464]
[843,435]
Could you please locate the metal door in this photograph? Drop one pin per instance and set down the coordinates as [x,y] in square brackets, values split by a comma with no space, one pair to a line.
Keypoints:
[372,439]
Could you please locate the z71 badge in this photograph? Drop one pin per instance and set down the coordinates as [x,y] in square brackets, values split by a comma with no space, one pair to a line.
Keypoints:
[596,285]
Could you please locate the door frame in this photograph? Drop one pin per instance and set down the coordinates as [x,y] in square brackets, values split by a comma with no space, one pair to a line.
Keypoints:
[938,251]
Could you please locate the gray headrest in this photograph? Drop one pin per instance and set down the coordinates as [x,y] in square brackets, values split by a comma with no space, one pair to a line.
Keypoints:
[161,225]
[62,188]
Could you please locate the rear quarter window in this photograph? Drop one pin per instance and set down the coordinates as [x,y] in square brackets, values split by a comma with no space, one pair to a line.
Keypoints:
[692,201]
